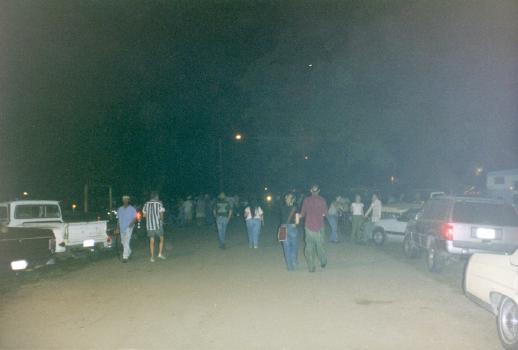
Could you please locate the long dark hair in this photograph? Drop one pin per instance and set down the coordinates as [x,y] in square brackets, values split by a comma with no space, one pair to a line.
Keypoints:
[253,206]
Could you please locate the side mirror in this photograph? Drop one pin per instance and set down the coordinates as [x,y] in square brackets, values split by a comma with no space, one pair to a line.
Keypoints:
[514,258]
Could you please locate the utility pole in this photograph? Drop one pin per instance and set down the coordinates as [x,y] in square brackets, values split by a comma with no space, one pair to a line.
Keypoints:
[85,205]
[220,164]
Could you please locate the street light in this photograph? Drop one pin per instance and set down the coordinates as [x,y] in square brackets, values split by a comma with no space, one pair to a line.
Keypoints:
[306,157]
[25,194]
[238,137]
[74,207]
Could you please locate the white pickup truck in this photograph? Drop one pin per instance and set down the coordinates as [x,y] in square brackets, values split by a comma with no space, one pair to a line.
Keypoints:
[47,214]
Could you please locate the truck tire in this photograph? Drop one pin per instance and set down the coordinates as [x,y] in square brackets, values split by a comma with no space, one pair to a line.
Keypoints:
[410,248]
[507,324]
[379,236]
[435,258]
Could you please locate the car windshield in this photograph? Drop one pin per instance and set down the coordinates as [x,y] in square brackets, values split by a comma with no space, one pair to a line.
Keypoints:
[485,213]
[32,211]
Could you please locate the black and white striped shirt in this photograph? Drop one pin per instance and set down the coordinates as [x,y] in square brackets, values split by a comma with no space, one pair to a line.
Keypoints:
[152,211]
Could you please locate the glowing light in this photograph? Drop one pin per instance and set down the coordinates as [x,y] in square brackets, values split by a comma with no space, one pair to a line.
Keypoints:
[238,137]
[266,188]
[269,198]
[74,206]
[19,265]
[25,194]
[310,65]
[306,157]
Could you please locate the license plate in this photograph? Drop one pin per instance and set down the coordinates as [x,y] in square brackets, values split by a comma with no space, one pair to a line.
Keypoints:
[88,243]
[486,233]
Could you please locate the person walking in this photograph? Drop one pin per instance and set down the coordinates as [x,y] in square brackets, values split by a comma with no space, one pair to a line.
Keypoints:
[254,218]
[200,210]
[154,213]
[375,213]
[127,217]
[357,218]
[290,245]
[222,212]
[314,209]
[188,207]
[332,217]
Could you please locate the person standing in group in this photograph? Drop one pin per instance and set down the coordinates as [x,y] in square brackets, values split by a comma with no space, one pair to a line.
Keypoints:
[357,218]
[332,217]
[127,217]
[254,218]
[314,209]
[188,206]
[375,212]
[154,213]
[200,210]
[291,244]
[222,212]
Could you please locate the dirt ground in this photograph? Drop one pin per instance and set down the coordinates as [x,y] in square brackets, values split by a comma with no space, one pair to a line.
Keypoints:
[205,298]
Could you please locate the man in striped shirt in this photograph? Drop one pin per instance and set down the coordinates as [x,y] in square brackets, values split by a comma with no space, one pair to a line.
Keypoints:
[154,213]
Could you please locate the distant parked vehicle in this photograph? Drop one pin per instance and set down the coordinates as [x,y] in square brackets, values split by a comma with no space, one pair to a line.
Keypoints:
[460,226]
[47,214]
[491,281]
[22,247]
[394,220]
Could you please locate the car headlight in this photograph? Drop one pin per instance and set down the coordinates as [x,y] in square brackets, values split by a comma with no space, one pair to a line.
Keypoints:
[19,265]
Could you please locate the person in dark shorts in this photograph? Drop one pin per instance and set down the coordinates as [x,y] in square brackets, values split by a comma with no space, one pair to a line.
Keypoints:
[154,213]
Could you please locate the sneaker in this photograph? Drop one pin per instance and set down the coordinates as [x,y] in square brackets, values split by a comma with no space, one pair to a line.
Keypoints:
[125,260]
[160,256]
[152,259]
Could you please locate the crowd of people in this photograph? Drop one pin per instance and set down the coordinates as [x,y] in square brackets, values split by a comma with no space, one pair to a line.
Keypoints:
[308,213]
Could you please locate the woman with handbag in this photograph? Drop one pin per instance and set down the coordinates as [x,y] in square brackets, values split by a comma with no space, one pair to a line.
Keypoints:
[288,233]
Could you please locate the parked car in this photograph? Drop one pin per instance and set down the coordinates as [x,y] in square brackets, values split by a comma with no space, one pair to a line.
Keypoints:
[47,214]
[491,281]
[394,220]
[450,227]
[24,247]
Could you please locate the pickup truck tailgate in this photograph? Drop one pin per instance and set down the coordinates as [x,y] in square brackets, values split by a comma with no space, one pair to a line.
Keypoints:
[79,232]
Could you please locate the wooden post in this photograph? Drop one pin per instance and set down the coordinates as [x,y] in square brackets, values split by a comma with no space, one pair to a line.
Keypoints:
[85,199]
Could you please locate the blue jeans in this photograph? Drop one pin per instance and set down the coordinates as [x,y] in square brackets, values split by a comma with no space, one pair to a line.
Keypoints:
[222,223]
[253,227]
[291,247]
[333,222]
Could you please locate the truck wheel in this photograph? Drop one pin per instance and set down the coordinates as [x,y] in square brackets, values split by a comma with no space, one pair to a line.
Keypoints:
[379,236]
[409,247]
[435,258]
[507,324]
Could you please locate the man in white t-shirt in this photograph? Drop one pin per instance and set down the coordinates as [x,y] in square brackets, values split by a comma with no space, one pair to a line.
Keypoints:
[375,212]
[357,218]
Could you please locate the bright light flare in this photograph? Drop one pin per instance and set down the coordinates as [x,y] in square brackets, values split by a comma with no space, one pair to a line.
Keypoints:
[19,265]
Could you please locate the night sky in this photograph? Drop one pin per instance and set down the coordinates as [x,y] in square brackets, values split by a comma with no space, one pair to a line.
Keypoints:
[138,94]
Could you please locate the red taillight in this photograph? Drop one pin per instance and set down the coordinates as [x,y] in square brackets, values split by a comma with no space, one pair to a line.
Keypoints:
[447,232]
